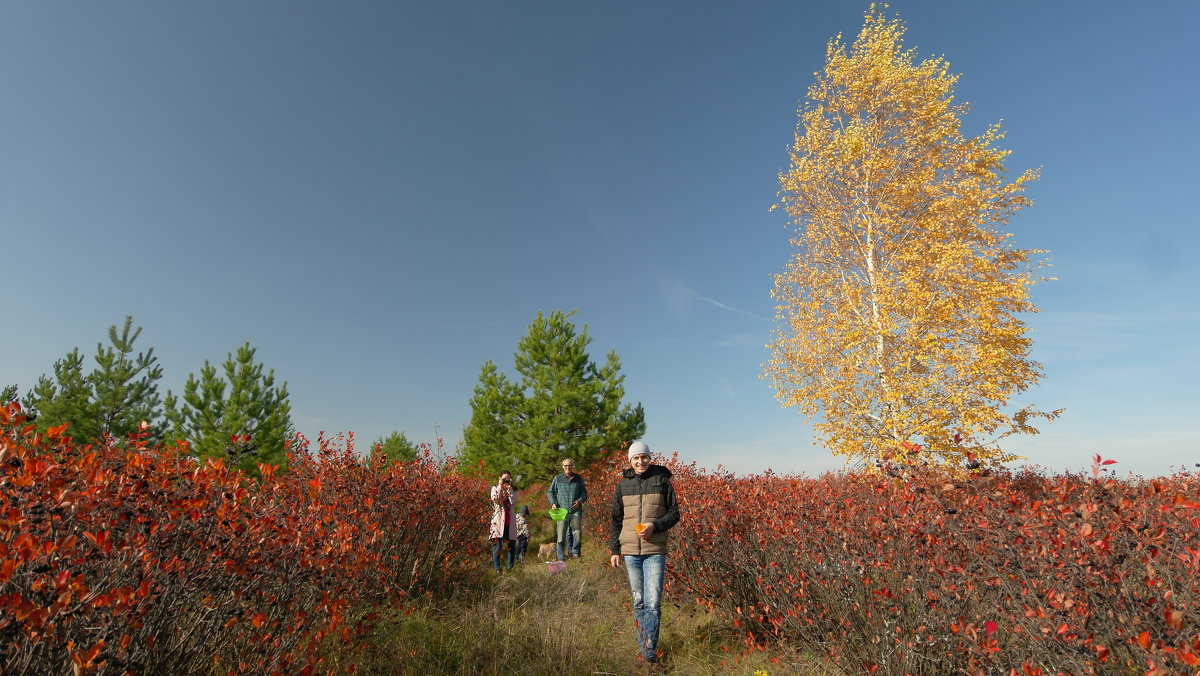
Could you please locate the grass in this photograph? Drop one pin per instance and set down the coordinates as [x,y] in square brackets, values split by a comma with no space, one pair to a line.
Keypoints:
[579,621]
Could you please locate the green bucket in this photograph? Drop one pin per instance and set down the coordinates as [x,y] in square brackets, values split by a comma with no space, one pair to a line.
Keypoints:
[558,514]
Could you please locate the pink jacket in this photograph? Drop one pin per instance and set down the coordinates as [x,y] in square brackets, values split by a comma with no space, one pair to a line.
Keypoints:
[502,505]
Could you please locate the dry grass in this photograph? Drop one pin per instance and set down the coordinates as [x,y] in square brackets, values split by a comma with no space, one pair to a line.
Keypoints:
[578,622]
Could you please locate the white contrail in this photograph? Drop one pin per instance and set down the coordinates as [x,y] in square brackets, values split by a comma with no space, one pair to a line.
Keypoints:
[717,303]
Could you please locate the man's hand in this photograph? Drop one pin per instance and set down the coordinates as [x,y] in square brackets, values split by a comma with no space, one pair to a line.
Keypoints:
[615,560]
[575,505]
[646,530]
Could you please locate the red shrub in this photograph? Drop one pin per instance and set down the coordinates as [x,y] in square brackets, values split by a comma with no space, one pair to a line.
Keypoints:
[951,573]
[121,558]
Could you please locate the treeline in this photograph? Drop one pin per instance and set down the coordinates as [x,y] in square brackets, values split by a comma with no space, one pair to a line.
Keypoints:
[236,411]
[560,404]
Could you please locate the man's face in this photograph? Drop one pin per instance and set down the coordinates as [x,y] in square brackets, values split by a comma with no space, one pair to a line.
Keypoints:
[568,467]
[640,463]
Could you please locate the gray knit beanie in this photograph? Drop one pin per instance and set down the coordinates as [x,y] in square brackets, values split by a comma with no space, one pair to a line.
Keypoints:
[638,448]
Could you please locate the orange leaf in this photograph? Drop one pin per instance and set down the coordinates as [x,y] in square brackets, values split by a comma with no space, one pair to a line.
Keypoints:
[1174,618]
[1143,640]
[258,620]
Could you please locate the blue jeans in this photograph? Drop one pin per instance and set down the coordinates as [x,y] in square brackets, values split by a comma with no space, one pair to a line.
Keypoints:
[511,545]
[570,530]
[646,582]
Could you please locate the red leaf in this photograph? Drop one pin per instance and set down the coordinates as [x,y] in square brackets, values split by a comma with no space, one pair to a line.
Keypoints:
[1143,640]
[989,627]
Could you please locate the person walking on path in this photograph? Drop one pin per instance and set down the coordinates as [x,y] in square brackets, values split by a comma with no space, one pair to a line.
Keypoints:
[644,509]
[567,491]
[502,530]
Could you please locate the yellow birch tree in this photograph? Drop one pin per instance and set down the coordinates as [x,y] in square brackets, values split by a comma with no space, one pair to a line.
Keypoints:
[898,317]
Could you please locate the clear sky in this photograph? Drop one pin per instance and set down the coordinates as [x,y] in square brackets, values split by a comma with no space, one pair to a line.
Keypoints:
[380,196]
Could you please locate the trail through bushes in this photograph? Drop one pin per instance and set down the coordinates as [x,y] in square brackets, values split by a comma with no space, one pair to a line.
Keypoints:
[122,558]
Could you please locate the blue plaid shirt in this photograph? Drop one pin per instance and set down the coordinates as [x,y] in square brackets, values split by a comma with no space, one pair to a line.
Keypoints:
[563,492]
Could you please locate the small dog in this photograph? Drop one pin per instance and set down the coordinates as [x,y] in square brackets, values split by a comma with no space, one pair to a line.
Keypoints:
[548,551]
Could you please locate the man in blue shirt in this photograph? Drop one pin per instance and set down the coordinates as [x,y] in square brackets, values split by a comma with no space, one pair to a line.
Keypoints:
[568,492]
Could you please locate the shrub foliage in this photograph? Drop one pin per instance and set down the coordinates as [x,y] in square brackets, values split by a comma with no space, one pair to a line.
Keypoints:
[133,558]
[938,572]
[136,559]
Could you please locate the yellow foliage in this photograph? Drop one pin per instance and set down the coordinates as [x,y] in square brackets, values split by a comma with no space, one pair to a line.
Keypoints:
[899,314]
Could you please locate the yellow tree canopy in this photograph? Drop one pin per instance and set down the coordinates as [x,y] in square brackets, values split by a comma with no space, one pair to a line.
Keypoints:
[899,315]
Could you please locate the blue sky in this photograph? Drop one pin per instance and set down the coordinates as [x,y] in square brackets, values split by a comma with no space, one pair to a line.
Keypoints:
[381,196]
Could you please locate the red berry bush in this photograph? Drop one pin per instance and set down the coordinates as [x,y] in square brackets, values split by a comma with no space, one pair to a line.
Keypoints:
[122,558]
[934,571]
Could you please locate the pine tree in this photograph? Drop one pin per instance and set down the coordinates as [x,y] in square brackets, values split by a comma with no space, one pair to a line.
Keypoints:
[65,398]
[112,400]
[240,416]
[124,386]
[563,405]
[395,447]
[900,312]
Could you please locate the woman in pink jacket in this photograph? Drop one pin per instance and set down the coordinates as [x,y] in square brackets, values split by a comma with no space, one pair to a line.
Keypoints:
[503,528]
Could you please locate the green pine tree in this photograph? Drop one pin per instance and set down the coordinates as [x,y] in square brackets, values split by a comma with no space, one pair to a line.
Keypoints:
[65,398]
[124,386]
[395,447]
[113,399]
[8,395]
[240,415]
[563,405]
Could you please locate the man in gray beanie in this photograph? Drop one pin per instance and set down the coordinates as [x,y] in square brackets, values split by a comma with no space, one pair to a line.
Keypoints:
[643,510]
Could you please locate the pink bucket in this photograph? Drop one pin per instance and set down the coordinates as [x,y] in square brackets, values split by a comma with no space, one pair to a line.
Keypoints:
[556,566]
